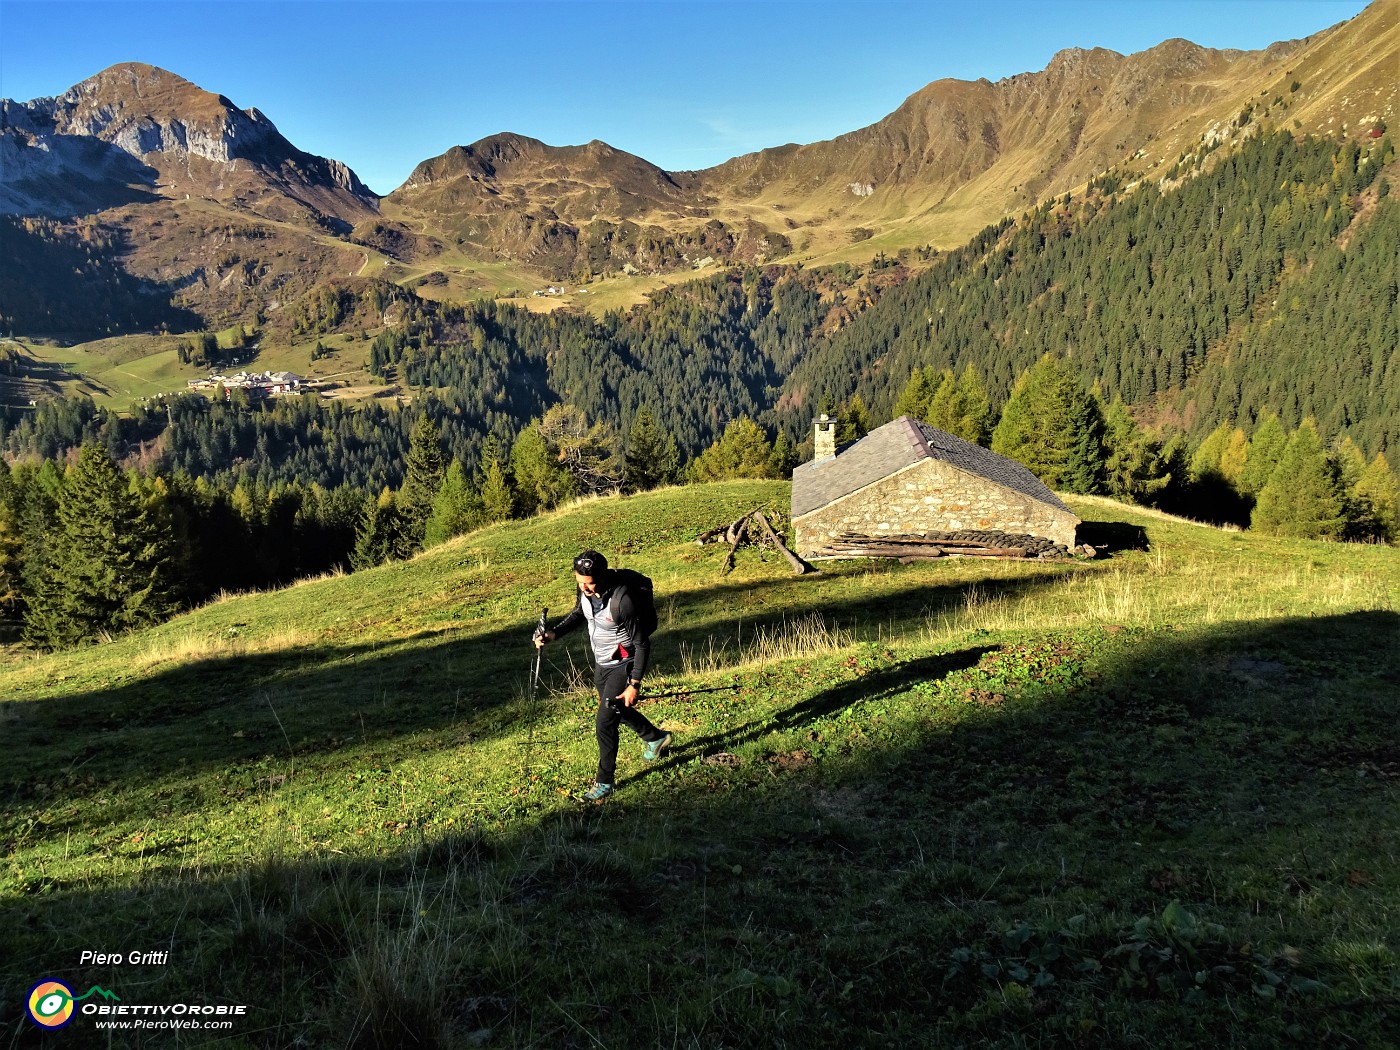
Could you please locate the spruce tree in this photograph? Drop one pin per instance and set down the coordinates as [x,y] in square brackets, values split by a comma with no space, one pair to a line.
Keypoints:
[652,456]
[976,407]
[1233,456]
[1304,497]
[1177,496]
[158,504]
[456,508]
[944,409]
[423,475]
[1350,462]
[38,525]
[11,543]
[497,493]
[541,483]
[1134,469]
[960,406]
[1376,497]
[853,422]
[1053,426]
[914,399]
[1205,464]
[783,458]
[380,536]
[1265,450]
[741,452]
[108,563]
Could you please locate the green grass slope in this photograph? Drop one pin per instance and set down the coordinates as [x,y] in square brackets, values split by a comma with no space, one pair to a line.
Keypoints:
[1149,800]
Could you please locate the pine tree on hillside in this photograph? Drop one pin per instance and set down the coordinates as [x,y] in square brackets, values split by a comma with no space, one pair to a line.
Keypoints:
[497,493]
[1053,426]
[38,524]
[944,409]
[1134,468]
[1206,463]
[1213,491]
[652,456]
[541,483]
[380,536]
[1376,496]
[590,452]
[1177,496]
[1304,497]
[741,452]
[107,564]
[977,417]
[1350,462]
[1086,454]
[1233,456]
[783,458]
[913,400]
[11,543]
[154,496]
[423,475]
[1265,450]
[456,508]
[960,406]
[853,422]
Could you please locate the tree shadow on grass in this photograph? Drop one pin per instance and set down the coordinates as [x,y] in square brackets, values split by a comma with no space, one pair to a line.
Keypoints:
[228,711]
[864,689]
[891,891]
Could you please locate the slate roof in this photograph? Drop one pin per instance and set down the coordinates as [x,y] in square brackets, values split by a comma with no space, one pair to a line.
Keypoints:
[902,443]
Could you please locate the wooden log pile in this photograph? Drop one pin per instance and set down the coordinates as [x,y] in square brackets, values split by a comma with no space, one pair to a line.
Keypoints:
[923,546]
[741,531]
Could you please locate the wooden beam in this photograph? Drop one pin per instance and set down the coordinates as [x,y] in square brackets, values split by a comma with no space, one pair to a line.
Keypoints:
[799,567]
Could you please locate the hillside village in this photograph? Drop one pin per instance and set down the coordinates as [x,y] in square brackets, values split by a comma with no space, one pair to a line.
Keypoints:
[256,384]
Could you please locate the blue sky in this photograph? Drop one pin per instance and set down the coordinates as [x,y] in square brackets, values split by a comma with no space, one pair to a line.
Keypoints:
[684,83]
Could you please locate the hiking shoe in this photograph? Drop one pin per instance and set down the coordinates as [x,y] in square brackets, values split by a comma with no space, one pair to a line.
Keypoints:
[597,793]
[655,747]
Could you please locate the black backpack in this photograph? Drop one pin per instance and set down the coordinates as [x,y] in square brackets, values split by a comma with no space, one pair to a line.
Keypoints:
[643,599]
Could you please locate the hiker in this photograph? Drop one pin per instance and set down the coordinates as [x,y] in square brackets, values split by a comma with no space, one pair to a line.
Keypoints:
[618,607]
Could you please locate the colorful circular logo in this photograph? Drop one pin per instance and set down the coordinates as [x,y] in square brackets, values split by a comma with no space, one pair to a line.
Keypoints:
[51,1004]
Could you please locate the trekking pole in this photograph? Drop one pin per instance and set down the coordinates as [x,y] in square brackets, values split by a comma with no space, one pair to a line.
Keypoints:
[534,688]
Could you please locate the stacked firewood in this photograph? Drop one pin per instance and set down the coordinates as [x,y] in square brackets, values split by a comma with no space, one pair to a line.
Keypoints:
[920,546]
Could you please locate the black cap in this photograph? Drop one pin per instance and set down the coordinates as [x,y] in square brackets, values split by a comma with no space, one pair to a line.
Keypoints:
[590,563]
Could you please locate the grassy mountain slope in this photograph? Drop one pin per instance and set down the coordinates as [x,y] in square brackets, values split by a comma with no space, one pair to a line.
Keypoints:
[953,158]
[959,155]
[1137,801]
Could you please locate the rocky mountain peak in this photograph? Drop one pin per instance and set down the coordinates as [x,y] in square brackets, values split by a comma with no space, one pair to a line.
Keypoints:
[160,122]
[143,109]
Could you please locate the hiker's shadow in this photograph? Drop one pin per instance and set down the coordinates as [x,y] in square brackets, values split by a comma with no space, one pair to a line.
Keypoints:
[873,686]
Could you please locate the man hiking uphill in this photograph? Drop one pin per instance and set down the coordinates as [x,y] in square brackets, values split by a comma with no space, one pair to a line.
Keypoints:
[618,608]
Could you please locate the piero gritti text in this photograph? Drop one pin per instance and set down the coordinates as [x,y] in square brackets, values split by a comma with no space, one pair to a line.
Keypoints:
[133,958]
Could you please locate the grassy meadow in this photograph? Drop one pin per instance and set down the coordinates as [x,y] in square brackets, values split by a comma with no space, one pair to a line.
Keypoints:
[1149,800]
[119,371]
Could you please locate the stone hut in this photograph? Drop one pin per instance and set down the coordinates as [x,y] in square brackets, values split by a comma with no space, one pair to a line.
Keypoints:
[907,477]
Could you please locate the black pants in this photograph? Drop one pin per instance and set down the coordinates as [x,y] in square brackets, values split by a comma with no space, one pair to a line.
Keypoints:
[611,681]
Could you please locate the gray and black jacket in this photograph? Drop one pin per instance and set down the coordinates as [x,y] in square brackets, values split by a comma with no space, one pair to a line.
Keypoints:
[612,630]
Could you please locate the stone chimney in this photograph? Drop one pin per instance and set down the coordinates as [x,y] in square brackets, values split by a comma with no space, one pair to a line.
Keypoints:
[824,437]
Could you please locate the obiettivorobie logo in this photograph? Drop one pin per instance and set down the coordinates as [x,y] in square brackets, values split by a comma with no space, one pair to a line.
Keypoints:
[51,1002]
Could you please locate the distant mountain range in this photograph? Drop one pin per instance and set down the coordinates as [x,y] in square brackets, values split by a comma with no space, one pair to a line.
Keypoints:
[211,202]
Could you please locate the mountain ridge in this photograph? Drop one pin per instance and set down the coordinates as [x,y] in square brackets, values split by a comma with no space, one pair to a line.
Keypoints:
[149,152]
